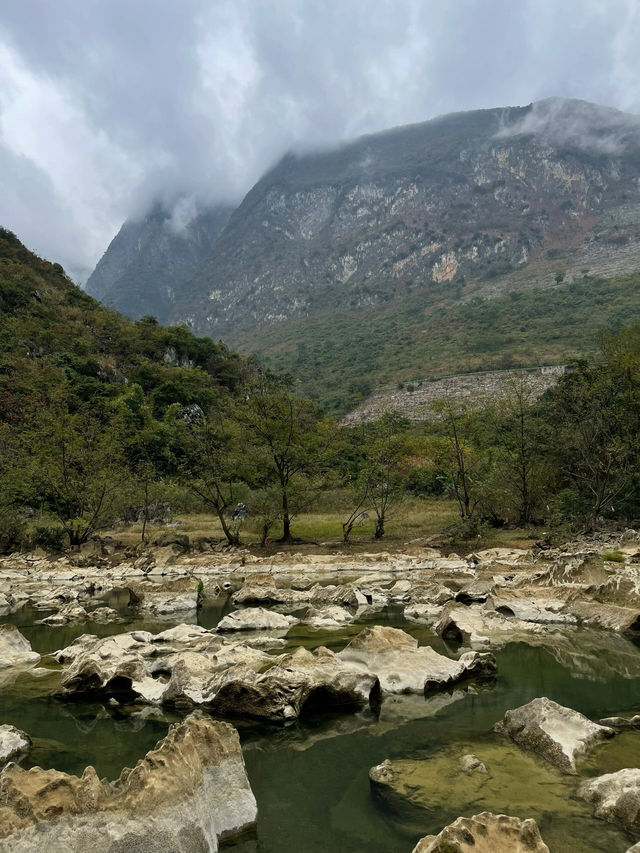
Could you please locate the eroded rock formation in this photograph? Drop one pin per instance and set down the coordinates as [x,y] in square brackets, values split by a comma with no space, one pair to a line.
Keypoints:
[185,795]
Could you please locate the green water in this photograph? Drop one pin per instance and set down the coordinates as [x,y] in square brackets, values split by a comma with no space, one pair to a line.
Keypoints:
[311,779]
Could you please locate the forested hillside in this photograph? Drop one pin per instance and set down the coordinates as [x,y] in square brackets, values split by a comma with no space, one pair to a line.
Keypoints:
[342,356]
[59,344]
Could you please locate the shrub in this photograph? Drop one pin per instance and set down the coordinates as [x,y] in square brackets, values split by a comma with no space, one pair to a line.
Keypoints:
[12,526]
[49,538]
[423,482]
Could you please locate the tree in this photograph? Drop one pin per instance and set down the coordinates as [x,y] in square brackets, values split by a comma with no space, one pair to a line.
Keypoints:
[382,478]
[518,441]
[358,513]
[206,457]
[288,444]
[78,469]
[595,411]
[461,460]
[145,446]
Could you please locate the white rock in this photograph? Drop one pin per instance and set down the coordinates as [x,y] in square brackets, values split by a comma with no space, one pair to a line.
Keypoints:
[256,619]
[13,743]
[558,734]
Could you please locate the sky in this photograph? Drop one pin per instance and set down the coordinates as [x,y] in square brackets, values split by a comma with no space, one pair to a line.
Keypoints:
[109,105]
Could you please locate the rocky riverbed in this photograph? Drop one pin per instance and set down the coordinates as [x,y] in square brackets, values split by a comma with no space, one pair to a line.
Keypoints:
[378,699]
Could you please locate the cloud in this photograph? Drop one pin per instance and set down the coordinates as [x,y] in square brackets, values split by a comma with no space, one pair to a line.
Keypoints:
[107,106]
[578,123]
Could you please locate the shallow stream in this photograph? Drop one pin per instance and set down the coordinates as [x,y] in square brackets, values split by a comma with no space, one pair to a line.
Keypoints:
[311,779]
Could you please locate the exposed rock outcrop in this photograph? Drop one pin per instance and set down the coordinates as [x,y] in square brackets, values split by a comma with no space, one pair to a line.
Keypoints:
[300,682]
[185,795]
[167,599]
[419,791]
[204,668]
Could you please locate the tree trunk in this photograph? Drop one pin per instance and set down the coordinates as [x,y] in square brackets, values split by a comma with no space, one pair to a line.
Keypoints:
[232,538]
[286,521]
[145,512]
[266,527]
[379,527]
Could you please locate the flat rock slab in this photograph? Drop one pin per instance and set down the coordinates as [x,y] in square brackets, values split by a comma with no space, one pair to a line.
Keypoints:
[483,627]
[485,833]
[558,734]
[621,722]
[616,797]
[420,792]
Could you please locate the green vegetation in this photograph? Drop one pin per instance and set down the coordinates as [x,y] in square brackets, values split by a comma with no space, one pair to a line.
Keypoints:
[613,557]
[344,357]
[103,419]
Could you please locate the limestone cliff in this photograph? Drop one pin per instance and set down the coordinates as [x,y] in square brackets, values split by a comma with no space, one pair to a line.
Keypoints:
[467,197]
[151,258]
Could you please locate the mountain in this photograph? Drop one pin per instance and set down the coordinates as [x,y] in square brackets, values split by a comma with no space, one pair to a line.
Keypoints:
[461,243]
[151,258]
[467,197]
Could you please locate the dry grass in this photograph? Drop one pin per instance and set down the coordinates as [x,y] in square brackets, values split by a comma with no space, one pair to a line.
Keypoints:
[411,523]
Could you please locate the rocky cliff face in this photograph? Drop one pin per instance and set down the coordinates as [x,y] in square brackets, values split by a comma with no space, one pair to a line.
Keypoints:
[149,260]
[470,197]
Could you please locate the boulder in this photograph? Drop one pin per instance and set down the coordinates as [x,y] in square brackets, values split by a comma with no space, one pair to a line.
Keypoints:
[476,591]
[184,796]
[260,589]
[331,617]
[485,833]
[167,599]
[298,683]
[111,667]
[195,678]
[616,797]
[256,619]
[13,744]
[104,615]
[394,658]
[424,614]
[527,608]
[67,614]
[482,627]
[558,734]
[470,763]
[15,650]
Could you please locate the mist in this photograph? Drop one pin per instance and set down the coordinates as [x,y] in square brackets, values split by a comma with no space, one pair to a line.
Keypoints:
[109,107]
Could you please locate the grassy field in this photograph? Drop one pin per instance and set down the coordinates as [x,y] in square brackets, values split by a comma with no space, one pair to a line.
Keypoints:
[412,524]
